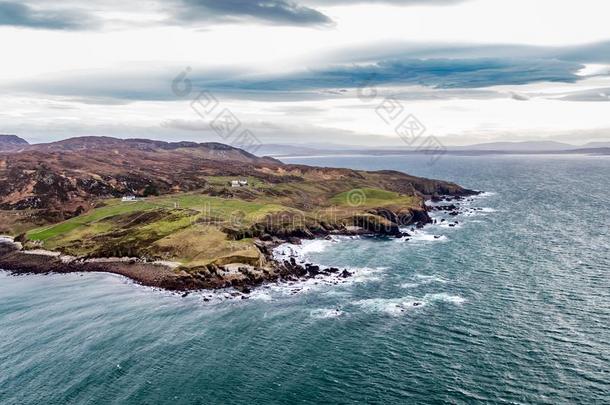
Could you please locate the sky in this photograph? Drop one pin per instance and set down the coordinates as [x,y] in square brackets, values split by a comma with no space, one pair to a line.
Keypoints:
[314,72]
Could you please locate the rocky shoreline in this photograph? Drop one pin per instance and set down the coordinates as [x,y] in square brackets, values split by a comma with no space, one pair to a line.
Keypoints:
[242,277]
[151,274]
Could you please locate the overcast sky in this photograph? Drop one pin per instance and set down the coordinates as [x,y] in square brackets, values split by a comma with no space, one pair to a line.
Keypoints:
[307,71]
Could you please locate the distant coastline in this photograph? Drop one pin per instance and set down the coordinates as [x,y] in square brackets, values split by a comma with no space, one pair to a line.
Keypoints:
[390,153]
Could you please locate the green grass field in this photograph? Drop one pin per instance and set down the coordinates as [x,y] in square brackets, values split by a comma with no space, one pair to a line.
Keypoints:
[172,227]
[194,229]
[114,208]
[216,207]
[371,197]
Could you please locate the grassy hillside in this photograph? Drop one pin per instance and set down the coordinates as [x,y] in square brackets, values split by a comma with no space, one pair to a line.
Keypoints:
[372,197]
[198,229]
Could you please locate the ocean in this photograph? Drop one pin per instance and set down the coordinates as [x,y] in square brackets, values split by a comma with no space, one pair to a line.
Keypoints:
[510,306]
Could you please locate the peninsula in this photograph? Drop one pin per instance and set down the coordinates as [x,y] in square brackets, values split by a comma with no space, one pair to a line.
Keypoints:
[184,215]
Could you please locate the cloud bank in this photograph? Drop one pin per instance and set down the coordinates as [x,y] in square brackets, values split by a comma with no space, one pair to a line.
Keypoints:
[41,14]
[21,15]
[460,67]
[280,12]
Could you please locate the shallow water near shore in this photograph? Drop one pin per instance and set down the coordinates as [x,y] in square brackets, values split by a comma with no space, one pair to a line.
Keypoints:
[511,305]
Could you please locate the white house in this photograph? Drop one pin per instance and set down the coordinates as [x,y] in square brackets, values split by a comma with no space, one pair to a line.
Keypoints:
[239,183]
[129,198]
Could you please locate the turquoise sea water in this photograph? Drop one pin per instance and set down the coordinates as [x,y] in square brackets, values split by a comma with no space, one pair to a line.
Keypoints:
[513,306]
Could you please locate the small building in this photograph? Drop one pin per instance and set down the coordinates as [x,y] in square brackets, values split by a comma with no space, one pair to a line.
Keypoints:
[239,183]
[129,198]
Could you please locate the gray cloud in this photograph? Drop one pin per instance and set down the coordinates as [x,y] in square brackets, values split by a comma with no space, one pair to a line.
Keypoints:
[280,12]
[602,94]
[518,96]
[73,15]
[440,73]
[457,68]
[323,83]
[22,15]
[272,133]
[197,131]
[393,2]
[597,52]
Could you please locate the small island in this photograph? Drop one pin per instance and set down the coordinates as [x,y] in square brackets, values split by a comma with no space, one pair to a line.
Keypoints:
[185,216]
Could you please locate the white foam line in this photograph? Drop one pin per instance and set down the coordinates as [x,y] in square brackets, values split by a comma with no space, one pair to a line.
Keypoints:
[424,280]
[287,251]
[444,297]
[390,306]
[399,306]
[421,236]
[326,313]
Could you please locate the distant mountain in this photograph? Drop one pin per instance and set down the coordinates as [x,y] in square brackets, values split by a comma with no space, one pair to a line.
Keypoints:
[65,176]
[208,150]
[288,150]
[527,146]
[595,145]
[12,142]
[591,151]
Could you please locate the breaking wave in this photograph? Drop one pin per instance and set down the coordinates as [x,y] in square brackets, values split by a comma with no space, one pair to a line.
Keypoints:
[399,306]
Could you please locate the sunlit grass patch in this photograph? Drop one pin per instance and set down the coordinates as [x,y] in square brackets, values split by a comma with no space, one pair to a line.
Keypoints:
[371,197]
[111,210]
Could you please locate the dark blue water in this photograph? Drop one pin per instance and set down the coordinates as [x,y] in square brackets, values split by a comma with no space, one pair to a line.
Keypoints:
[513,306]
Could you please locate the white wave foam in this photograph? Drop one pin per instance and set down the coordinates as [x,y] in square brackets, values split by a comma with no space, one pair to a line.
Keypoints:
[365,274]
[423,279]
[430,279]
[321,281]
[315,246]
[448,224]
[427,277]
[444,297]
[390,306]
[286,251]
[421,236]
[260,295]
[326,313]
[300,253]
[398,306]
[482,211]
